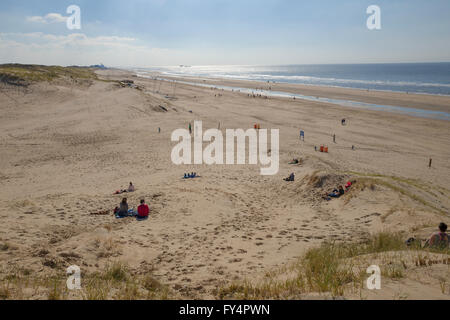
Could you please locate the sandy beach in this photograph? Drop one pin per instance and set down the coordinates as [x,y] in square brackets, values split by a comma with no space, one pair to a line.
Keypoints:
[67,146]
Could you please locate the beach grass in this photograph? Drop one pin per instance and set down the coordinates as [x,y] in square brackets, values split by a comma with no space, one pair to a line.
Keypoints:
[332,269]
[115,282]
[35,73]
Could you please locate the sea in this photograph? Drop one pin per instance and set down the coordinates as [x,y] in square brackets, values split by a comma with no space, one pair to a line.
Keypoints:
[425,78]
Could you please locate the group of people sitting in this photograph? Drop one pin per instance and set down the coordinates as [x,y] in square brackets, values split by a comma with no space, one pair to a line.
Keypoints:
[191,175]
[123,210]
[340,191]
[130,189]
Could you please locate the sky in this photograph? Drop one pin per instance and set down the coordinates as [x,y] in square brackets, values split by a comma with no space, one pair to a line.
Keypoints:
[145,33]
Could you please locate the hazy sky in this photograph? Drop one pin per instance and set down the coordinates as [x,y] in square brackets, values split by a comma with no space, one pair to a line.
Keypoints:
[203,32]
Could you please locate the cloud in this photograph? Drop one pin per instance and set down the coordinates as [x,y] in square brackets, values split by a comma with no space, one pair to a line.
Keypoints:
[73,39]
[49,18]
[80,49]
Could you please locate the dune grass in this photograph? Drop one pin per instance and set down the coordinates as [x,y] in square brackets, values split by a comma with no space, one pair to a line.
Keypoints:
[115,281]
[36,73]
[329,269]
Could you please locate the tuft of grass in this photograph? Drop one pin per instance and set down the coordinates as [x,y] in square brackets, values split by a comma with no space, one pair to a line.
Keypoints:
[442,284]
[95,288]
[116,272]
[5,291]
[383,242]
[56,290]
[393,271]
[324,271]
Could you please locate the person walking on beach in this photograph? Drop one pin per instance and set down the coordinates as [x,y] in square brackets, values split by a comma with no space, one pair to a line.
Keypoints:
[190,128]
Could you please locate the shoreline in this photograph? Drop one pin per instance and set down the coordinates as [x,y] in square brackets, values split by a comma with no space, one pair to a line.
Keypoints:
[340,96]
[212,78]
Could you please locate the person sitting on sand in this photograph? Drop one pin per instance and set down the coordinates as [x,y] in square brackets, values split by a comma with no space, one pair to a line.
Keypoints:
[337,192]
[290,178]
[131,187]
[334,194]
[143,210]
[439,239]
[294,161]
[123,208]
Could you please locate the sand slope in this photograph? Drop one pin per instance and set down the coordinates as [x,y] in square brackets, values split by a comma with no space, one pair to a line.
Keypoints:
[64,150]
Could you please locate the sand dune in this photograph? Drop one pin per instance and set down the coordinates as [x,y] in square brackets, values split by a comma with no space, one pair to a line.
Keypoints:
[65,148]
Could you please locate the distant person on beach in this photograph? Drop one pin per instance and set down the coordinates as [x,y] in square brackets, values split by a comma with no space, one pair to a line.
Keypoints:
[190,128]
[336,193]
[143,210]
[123,208]
[130,189]
[290,178]
[439,239]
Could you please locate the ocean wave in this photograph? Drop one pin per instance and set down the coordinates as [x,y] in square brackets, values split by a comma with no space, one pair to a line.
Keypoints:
[293,74]
[306,79]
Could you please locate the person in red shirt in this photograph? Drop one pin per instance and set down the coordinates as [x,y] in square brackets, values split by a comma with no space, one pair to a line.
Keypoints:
[143,210]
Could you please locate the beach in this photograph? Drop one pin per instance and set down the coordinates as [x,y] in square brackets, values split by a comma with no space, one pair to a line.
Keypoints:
[67,146]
